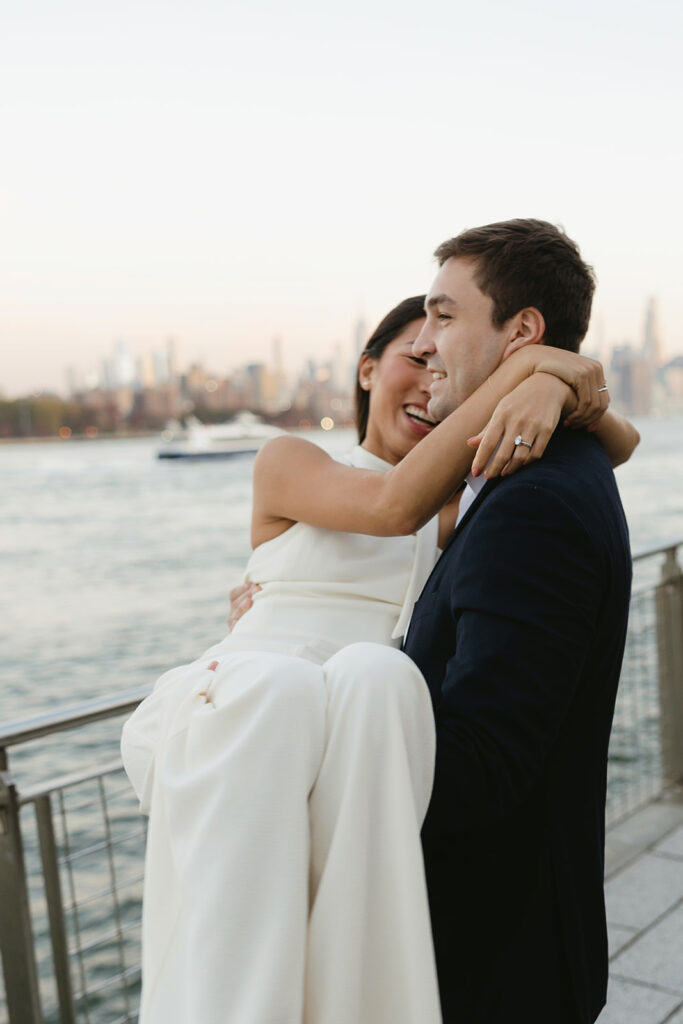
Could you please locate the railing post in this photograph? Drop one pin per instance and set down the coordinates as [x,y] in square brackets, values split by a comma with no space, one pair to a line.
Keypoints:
[669,605]
[55,909]
[16,934]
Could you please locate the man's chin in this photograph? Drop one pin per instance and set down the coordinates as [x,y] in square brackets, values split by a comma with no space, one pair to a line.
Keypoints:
[439,408]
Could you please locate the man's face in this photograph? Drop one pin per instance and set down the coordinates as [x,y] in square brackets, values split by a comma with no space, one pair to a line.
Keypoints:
[458,341]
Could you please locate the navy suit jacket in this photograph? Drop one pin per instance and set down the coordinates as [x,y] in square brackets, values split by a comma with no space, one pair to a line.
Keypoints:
[520,633]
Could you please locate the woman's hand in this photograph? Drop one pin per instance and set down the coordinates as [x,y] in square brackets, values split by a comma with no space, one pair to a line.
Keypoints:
[584,376]
[530,412]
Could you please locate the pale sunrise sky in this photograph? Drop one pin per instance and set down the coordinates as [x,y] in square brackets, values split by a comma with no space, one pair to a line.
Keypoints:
[224,172]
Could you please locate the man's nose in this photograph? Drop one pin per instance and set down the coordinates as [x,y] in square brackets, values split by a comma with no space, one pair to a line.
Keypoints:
[423,344]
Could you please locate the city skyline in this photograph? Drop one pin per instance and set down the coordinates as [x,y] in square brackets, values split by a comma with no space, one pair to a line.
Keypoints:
[230,173]
[156,391]
[143,355]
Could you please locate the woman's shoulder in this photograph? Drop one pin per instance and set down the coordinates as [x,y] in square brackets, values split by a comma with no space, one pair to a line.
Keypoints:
[287,446]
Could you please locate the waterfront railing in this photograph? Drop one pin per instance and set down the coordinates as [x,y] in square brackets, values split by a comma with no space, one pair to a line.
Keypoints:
[71,861]
[72,844]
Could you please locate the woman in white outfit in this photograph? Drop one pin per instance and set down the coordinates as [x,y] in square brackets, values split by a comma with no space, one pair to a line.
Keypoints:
[288,770]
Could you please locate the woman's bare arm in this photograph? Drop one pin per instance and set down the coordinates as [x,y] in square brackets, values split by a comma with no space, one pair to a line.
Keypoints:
[295,481]
[617,436]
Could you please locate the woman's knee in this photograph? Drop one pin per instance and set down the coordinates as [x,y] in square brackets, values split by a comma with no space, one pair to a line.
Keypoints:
[280,683]
[374,673]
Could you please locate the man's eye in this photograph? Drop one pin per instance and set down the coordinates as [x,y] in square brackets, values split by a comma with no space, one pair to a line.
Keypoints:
[443,316]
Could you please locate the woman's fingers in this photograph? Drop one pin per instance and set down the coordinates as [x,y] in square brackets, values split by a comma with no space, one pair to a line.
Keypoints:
[512,453]
[241,599]
[488,439]
[594,395]
[503,455]
[239,591]
[511,456]
[523,454]
[597,404]
[237,610]
[585,392]
[497,446]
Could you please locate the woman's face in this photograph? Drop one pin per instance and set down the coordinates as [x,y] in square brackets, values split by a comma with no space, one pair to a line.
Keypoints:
[399,393]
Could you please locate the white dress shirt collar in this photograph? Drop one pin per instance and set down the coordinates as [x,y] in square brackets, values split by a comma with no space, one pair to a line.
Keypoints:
[474,485]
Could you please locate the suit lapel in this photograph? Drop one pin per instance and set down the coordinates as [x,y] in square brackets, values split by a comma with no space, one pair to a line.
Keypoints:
[488,488]
[428,590]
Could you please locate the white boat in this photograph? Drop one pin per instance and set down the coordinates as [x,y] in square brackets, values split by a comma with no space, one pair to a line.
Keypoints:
[243,435]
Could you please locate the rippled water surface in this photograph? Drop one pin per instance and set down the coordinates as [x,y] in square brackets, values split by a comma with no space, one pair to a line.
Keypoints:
[117,565]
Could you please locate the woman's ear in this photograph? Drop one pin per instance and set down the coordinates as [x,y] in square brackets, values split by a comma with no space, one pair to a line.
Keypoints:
[526,328]
[365,368]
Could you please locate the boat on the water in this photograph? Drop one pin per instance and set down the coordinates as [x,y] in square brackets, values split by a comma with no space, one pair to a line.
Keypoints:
[243,435]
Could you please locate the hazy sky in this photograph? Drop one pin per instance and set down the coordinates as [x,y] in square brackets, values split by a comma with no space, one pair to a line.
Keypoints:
[223,172]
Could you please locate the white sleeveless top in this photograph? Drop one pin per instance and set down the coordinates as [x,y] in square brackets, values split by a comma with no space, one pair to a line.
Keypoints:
[323,589]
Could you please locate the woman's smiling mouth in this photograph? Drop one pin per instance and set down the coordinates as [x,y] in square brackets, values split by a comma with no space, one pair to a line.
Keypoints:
[420,420]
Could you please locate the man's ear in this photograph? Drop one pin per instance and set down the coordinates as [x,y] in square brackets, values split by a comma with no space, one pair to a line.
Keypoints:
[525,328]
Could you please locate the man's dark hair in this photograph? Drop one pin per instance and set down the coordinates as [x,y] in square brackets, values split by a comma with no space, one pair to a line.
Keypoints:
[528,262]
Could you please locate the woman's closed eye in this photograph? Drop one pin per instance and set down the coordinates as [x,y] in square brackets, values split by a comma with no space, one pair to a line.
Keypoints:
[417,360]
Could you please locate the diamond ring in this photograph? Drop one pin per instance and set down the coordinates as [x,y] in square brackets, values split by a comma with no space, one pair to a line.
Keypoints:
[520,440]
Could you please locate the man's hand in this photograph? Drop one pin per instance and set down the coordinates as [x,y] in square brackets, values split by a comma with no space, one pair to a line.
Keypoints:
[241,599]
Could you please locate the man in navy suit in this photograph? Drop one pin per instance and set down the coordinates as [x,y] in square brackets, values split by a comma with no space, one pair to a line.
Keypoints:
[520,634]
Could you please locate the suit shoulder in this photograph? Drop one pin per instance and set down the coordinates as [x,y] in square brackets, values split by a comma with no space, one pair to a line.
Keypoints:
[574,468]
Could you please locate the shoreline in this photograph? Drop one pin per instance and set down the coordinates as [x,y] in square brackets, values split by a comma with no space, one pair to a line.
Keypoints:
[128,436]
[55,438]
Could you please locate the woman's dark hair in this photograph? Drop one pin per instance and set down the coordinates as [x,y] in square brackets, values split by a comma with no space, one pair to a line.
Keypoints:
[388,329]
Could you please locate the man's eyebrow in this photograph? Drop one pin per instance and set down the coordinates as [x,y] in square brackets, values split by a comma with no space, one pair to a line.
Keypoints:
[439,300]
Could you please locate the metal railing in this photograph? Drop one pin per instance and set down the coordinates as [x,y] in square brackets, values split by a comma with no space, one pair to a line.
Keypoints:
[71,856]
[646,745]
[72,847]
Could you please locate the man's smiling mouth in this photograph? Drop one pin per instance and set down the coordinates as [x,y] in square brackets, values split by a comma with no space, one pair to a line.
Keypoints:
[438,374]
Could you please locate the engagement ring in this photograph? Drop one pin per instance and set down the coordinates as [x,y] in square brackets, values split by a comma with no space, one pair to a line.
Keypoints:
[520,440]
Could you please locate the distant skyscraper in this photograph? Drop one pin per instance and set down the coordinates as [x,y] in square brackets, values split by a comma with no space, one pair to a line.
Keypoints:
[106,376]
[160,366]
[71,381]
[601,349]
[279,378]
[360,339]
[172,359]
[630,380]
[339,368]
[277,355]
[144,373]
[652,349]
[124,367]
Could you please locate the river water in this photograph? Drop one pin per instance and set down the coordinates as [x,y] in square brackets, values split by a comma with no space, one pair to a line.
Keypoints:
[117,565]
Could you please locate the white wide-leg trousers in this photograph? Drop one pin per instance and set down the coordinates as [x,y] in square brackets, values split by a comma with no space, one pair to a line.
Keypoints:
[284,878]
